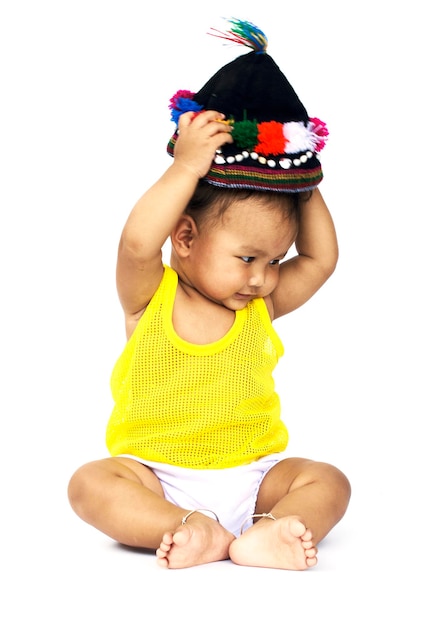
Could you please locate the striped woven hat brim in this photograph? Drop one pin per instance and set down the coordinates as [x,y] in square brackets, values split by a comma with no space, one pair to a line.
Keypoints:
[263,176]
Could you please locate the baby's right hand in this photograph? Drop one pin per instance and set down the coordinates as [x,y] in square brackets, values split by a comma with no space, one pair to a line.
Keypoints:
[200,135]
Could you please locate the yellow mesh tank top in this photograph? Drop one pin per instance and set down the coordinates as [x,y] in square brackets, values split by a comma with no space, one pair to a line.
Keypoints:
[198,406]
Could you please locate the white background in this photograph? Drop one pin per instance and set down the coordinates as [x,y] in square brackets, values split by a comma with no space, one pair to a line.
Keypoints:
[84,124]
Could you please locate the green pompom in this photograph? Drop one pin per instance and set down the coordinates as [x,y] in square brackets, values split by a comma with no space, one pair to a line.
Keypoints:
[245,134]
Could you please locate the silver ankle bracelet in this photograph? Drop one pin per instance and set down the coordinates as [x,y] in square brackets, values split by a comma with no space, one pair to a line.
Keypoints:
[185,518]
[267,515]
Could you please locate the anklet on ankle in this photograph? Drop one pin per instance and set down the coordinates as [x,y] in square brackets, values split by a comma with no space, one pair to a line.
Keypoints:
[267,515]
[184,519]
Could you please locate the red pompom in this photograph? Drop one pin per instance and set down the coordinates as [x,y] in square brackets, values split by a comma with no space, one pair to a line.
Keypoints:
[270,138]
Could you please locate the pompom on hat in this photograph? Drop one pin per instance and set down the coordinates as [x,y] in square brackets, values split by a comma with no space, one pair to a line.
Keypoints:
[275,143]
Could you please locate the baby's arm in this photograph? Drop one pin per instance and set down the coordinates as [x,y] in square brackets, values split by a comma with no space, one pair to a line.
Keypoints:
[302,275]
[139,265]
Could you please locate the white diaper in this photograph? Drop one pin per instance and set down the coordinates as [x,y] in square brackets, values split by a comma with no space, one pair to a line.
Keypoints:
[230,493]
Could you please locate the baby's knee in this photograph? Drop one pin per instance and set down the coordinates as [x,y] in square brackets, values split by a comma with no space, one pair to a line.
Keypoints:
[337,481]
[79,487]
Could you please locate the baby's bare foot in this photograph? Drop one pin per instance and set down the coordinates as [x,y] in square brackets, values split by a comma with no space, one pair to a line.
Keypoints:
[201,540]
[284,543]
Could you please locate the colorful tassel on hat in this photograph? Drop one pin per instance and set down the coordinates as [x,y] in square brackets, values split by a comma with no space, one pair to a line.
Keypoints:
[245,34]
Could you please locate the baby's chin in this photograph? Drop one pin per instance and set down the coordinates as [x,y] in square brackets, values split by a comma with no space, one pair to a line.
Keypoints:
[238,302]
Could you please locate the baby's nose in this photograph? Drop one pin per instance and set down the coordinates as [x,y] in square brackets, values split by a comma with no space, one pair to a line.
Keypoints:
[257,278]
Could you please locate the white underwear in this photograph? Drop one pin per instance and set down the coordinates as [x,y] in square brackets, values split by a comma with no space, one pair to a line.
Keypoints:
[230,493]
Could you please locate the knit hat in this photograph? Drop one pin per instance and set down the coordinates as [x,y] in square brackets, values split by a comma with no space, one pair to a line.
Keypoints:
[275,143]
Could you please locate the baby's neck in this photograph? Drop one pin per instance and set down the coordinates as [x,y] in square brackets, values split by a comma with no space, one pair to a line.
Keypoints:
[197,319]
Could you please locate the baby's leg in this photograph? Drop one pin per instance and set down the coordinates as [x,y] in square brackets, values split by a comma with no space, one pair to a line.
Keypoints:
[306,499]
[125,500]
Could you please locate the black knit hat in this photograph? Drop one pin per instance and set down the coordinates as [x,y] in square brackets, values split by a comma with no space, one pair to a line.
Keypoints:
[275,142]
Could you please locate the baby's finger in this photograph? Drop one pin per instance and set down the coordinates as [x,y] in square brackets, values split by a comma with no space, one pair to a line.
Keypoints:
[205,117]
[185,119]
[222,137]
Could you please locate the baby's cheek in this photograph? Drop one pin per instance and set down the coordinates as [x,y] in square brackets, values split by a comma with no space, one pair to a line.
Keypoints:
[271,284]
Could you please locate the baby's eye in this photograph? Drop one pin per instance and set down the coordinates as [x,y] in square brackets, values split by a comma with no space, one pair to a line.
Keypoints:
[274,262]
[248,259]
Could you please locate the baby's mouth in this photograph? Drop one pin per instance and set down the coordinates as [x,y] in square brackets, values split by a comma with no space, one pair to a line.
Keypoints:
[245,296]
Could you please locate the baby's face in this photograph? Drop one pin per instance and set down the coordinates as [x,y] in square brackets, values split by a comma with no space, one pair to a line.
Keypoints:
[236,258]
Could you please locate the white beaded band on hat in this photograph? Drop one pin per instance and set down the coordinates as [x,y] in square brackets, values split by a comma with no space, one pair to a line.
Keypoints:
[185,518]
[284,162]
[265,515]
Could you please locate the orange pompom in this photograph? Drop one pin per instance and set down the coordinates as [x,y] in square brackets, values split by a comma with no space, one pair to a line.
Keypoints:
[270,138]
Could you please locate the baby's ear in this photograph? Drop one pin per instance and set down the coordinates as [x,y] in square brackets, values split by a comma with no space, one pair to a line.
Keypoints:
[183,235]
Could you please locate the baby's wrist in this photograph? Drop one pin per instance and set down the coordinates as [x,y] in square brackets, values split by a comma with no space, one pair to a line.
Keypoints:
[184,167]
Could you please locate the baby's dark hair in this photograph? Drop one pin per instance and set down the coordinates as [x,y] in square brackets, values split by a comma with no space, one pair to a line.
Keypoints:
[209,202]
